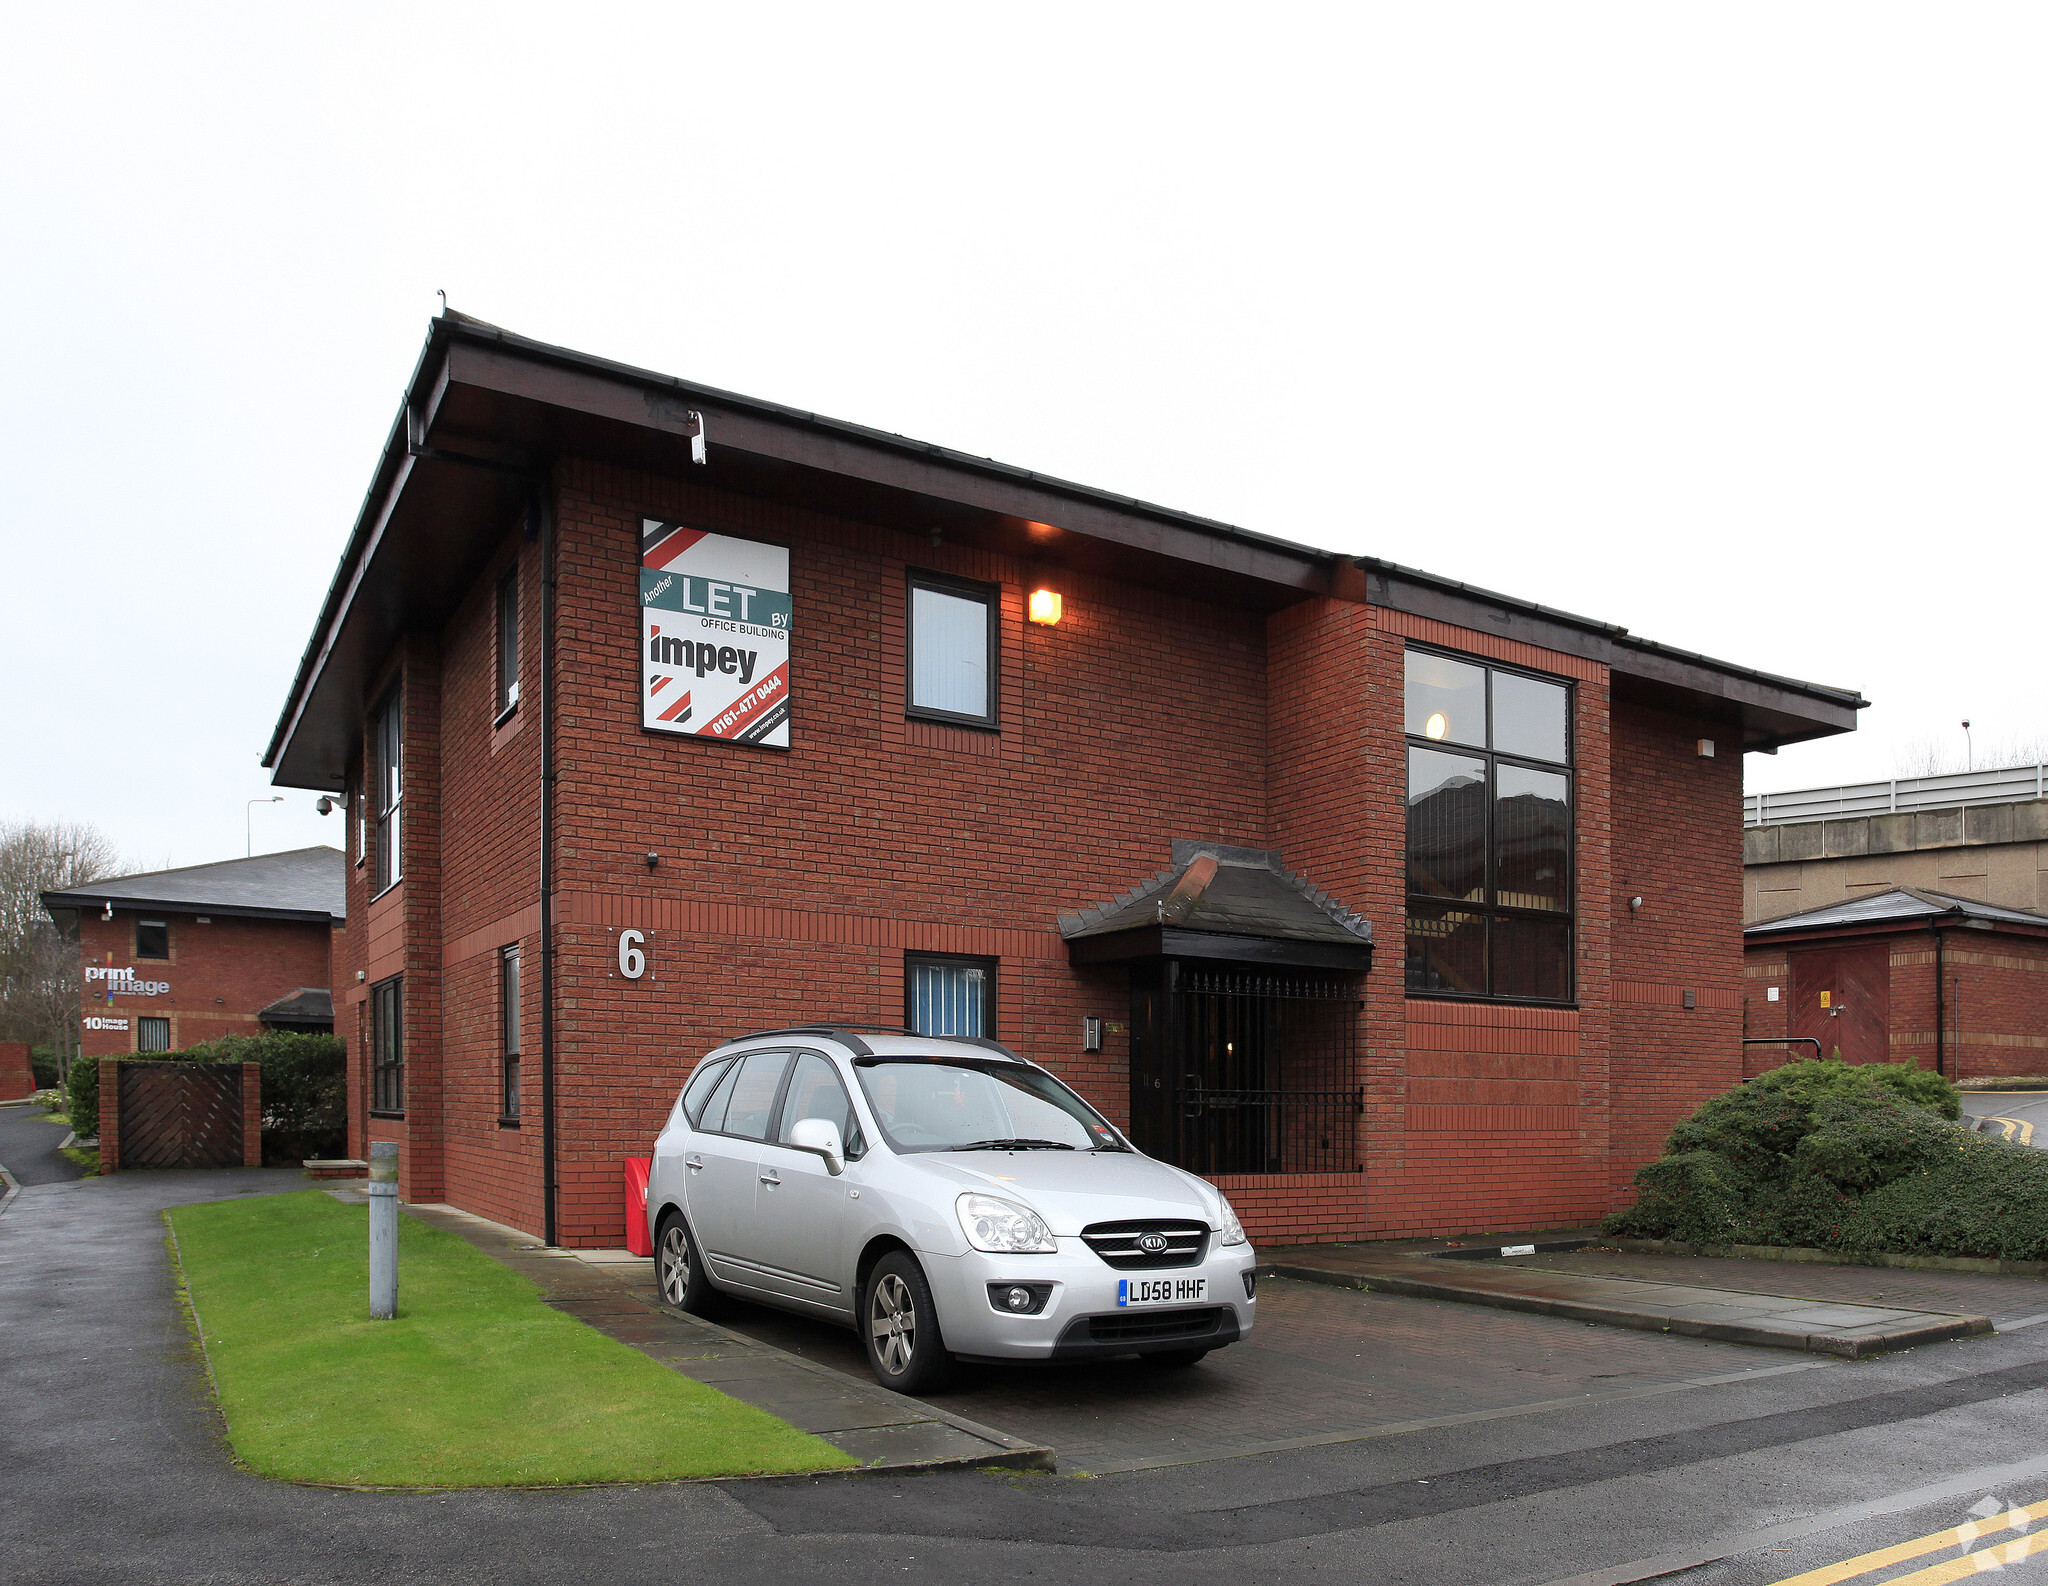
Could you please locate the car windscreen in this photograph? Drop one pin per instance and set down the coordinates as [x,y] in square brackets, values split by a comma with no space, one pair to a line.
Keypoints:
[924,1105]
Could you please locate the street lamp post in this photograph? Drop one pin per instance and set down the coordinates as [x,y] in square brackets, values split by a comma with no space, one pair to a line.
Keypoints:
[249,822]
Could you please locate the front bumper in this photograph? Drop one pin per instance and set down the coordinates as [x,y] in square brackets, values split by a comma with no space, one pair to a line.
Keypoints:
[1082,1319]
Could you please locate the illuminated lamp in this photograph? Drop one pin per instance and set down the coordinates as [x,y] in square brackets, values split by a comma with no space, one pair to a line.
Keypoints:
[1436,726]
[1045,606]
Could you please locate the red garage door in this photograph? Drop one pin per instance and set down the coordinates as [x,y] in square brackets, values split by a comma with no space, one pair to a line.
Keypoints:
[1842,997]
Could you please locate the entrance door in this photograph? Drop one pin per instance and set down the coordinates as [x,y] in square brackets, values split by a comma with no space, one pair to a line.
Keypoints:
[1855,981]
[1245,1071]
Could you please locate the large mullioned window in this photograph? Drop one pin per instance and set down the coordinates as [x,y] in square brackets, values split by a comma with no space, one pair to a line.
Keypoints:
[387,1046]
[1489,831]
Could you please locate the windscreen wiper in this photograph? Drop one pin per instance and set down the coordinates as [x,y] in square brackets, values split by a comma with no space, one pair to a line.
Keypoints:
[1012,1145]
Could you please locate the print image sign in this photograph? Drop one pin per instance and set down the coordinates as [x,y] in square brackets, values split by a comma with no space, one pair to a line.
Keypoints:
[714,635]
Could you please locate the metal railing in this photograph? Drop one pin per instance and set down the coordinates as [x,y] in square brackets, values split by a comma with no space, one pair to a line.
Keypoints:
[1268,1131]
[2011,785]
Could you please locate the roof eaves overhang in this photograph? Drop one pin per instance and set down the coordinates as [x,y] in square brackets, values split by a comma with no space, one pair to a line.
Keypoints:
[486,407]
[1768,710]
[89,901]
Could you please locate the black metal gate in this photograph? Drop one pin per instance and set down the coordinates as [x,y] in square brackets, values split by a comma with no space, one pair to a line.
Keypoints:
[1245,1071]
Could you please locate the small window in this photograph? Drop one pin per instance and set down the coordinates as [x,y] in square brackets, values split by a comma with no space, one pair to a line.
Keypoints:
[387,791]
[508,641]
[387,1046]
[945,994]
[952,660]
[152,938]
[816,1092]
[508,1021]
[152,1035]
[358,817]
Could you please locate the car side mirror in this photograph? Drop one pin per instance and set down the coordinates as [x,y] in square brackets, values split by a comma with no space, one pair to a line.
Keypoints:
[820,1135]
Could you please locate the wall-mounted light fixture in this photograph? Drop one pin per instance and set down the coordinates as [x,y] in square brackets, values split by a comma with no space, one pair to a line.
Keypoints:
[1091,1033]
[653,859]
[1706,747]
[1045,606]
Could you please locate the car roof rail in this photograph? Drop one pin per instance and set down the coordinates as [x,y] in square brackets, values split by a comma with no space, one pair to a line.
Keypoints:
[985,1043]
[845,1034]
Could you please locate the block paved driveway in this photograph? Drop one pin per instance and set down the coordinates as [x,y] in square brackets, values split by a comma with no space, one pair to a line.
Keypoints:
[1324,1365]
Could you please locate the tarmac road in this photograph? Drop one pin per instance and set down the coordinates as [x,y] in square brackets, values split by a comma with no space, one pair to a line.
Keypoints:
[2028,1106]
[116,1472]
[28,1147]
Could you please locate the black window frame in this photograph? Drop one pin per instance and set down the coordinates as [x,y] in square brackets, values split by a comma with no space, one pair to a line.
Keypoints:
[991,596]
[788,1054]
[387,776]
[991,966]
[1488,908]
[145,1020]
[163,925]
[506,689]
[511,1034]
[387,1048]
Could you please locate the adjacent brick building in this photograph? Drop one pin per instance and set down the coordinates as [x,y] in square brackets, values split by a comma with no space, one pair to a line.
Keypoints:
[665,714]
[1902,976]
[170,958]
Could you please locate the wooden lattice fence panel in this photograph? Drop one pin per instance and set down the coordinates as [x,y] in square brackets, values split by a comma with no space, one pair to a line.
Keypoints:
[181,1114]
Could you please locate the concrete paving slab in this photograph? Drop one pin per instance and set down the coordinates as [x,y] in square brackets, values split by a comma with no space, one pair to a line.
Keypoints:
[1736,1316]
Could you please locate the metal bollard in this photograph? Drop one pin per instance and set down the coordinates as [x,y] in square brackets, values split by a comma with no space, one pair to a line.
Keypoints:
[383,1230]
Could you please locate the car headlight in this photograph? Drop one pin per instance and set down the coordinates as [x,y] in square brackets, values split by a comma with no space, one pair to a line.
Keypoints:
[1232,1231]
[1003,1226]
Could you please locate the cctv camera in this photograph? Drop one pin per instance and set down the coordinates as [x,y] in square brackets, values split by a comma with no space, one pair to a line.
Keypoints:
[324,805]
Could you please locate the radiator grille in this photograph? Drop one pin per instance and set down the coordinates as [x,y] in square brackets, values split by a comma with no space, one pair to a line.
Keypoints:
[1119,1244]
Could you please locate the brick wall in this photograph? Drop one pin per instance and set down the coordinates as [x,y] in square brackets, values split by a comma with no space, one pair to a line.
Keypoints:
[17,1078]
[789,885]
[220,974]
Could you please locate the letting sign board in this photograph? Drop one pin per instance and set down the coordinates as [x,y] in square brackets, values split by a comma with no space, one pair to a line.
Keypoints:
[714,635]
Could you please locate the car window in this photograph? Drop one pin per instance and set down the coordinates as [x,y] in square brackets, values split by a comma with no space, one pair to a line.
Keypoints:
[698,1091]
[927,1106]
[712,1119]
[752,1105]
[816,1092]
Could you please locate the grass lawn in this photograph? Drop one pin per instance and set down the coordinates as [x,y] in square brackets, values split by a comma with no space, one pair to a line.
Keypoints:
[476,1383]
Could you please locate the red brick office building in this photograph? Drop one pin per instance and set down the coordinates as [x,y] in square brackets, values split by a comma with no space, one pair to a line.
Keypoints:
[170,958]
[1902,976]
[667,714]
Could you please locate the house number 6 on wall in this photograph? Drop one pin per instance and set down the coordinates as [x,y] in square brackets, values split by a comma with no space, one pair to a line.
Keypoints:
[632,961]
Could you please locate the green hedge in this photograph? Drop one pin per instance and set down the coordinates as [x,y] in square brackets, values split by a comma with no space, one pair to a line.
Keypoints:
[1838,1156]
[82,1097]
[42,1063]
[305,1088]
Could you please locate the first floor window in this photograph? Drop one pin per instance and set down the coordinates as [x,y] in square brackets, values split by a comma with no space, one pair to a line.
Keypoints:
[152,938]
[387,791]
[1490,831]
[387,1046]
[952,660]
[945,994]
[508,1021]
[152,1035]
[508,640]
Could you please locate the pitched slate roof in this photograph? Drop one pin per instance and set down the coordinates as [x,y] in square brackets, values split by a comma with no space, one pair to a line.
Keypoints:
[1899,905]
[1231,891]
[307,1005]
[304,883]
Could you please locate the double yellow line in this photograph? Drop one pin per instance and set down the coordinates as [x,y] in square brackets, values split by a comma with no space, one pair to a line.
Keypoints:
[2017,1129]
[1984,1559]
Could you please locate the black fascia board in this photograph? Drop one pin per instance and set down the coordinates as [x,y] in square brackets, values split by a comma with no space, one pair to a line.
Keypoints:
[1165,941]
[92,902]
[1772,710]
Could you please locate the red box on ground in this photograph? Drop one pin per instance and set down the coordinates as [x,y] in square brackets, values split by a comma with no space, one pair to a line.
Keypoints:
[638,1240]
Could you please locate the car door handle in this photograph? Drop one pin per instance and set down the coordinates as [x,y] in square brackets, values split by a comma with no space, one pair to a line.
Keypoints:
[771,1178]
[694,1163]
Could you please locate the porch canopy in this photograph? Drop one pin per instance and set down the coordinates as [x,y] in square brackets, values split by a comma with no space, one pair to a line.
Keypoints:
[1236,905]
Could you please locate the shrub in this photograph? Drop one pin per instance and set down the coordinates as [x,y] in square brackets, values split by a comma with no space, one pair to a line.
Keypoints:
[305,1088]
[42,1063]
[1857,1158]
[82,1097]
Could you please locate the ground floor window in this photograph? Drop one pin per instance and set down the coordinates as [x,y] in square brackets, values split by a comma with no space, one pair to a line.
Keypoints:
[946,994]
[152,1035]
[508,1021]
[1242,1071]
[387,1046]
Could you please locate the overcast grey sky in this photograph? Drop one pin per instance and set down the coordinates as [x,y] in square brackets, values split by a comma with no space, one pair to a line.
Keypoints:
[1721,321]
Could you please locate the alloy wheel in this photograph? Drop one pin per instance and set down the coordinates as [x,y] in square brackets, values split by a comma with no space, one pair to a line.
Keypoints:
[675,1264]
[892,1323]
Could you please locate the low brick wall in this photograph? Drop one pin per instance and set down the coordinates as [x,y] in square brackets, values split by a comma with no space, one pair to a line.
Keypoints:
[17,1078]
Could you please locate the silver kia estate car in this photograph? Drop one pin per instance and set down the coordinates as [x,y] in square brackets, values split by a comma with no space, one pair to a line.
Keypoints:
[944,1198]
